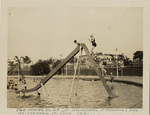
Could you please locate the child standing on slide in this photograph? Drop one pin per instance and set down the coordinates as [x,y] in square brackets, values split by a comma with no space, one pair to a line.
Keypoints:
[92,40]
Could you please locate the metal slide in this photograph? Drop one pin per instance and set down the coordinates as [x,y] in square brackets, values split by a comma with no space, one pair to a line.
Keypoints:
[74,52]
[52,73]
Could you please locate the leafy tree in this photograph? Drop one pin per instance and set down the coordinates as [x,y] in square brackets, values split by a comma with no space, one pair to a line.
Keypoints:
[50,60]
[18,63]
[40,68]
[26,60]
[121,57]
[55,64]
[130,62]
[43,66]
[16,58]
[11,63]
[126,61]
[138,54]
[11,66]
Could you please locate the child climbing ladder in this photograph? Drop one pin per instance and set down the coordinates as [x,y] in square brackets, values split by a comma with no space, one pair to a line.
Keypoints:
[92,40]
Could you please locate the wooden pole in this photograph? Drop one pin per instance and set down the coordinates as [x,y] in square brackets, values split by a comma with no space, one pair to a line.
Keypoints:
[73,79]
[66,70]
[117,67]
[78,73]
[43,90]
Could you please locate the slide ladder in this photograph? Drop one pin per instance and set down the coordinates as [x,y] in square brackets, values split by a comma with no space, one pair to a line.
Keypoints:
[97,69]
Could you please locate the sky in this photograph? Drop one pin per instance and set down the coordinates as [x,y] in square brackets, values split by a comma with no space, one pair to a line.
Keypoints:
[45,32]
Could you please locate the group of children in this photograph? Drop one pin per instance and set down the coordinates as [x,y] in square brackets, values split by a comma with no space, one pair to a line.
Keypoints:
[12,85]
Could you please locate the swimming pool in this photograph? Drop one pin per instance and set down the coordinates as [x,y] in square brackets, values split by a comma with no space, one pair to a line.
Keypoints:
[90,94]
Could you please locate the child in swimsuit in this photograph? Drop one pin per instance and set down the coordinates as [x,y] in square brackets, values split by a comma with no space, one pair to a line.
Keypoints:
[92,40]
[111,77]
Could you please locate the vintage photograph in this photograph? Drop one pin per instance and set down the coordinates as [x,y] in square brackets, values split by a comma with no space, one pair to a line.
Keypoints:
[75,57]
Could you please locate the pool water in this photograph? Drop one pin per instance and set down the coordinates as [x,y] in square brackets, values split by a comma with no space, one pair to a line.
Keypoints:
[85,94]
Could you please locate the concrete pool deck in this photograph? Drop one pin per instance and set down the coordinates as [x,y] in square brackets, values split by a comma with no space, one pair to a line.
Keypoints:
[134,80]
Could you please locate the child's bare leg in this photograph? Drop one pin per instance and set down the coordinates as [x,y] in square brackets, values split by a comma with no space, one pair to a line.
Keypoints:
[92,49]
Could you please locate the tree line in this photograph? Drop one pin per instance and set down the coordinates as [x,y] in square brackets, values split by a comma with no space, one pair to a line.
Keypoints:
[43,67]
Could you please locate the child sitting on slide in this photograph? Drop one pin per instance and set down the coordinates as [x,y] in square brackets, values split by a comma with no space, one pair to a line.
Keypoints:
[75,41]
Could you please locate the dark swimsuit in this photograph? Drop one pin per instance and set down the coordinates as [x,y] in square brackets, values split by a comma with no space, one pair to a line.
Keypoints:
[94,43]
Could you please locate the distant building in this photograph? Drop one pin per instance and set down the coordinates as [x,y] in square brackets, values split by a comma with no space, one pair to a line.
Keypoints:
[108,60]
